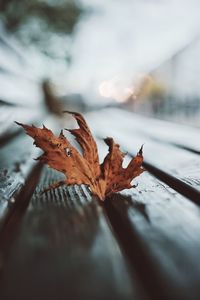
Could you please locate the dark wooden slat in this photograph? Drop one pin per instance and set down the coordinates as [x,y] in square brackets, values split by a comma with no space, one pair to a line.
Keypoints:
[179,167]
[160,231]
[65,250]
[16,162]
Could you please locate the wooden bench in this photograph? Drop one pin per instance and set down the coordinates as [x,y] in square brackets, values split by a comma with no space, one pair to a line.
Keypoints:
[139,244]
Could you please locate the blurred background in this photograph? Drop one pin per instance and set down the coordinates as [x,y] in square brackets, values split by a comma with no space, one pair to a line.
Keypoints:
[142,55]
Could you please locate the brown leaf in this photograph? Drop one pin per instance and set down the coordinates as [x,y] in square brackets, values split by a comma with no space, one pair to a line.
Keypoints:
[85,139]
[103,180]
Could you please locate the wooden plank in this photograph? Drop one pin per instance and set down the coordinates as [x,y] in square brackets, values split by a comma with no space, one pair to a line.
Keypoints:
[176,166]
[65,249]
[16,162]
[183,136]
[160,233]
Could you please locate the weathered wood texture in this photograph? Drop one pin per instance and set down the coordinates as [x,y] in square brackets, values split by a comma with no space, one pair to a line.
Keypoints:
[16,162]
[17,156]
[162,237]
[140,244]
[159,229]
[65,249]
[176,166]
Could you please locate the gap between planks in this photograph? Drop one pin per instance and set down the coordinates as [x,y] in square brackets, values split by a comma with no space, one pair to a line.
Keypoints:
[67,223]
[166,162]
[159,231]
[162,217]
[134,239]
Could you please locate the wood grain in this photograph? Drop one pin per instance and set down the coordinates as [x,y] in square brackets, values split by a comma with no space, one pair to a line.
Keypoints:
[178,167]
[16,162]
[65,249]
[160,231]
[65,245]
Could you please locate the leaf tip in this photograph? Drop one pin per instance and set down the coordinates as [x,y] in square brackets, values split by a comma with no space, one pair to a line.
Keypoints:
[18,123]
[71,112]
[140,152]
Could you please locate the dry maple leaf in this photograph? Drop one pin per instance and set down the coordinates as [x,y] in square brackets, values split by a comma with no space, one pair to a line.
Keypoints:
[103,180]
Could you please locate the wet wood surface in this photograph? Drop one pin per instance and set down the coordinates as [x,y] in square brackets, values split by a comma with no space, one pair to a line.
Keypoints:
[182,136]
[16,162]
[162,237]
[159,229]
[176,166]
[65,249]
[140,244]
